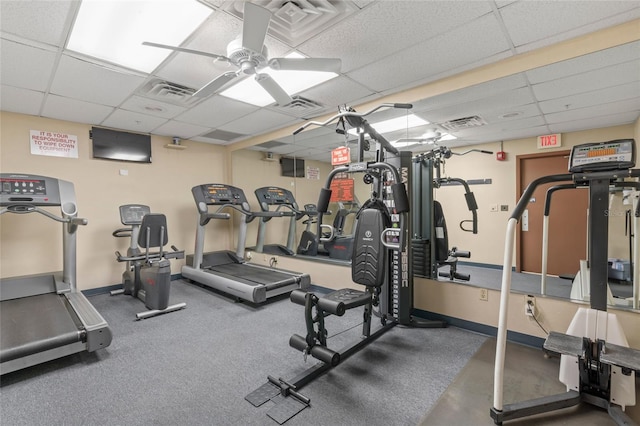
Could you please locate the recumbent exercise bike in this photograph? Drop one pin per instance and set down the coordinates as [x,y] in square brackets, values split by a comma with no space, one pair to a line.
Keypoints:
[148,274]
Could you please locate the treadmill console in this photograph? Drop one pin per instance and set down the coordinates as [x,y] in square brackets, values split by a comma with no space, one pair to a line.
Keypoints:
[274,196]
[28,189]
[132,214]
[218,194]
[619,154]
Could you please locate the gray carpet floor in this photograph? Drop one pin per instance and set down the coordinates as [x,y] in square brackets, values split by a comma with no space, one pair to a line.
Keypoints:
[195,367]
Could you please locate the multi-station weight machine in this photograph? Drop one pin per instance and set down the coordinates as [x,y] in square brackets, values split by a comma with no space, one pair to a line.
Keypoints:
[381,262]
[430,238]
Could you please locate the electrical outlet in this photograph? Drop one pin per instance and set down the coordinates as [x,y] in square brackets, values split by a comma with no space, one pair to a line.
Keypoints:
[494,208]
[484,294]
[504,207]
[529,305]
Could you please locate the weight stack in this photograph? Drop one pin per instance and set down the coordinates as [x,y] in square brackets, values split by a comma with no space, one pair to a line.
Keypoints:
[421,258]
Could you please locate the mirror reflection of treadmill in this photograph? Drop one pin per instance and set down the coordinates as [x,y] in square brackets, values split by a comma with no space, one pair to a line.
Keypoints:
[225,270]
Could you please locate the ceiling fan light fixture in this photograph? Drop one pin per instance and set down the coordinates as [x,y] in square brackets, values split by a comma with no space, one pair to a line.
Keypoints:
[249,90]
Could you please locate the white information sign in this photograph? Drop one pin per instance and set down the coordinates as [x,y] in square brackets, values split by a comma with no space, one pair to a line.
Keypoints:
[313,173]
[53,144]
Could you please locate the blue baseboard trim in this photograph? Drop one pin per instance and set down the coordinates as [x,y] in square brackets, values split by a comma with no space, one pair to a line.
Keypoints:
[101,290]
[512,336]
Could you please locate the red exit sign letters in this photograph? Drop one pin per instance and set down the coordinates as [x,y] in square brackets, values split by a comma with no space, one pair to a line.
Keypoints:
[549,141]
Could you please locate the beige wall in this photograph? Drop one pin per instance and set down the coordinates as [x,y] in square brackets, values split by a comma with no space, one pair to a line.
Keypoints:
[32,244]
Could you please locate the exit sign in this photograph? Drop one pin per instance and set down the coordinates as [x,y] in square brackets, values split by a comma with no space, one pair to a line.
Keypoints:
[549,141]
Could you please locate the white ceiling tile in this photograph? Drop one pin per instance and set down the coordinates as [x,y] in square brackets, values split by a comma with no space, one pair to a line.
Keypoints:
[488,108]
[595,122]
[337,91]
[152,107]
[566,15]
[593,61]
[479,39]
[387,27]
[468,94]
[68,109]
[17,66]
[83,80]
[42,21]
[216,111]
[592,98]
[592,80]
[19,100]
[577,32]
[133,121]
[180,129]
[620,107]
[258,122]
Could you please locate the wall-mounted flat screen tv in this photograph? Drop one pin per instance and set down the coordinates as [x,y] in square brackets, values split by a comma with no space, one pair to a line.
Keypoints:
[292,167]
[122,146]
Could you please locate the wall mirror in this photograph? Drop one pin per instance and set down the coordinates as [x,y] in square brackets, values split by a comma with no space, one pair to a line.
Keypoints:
[577,97]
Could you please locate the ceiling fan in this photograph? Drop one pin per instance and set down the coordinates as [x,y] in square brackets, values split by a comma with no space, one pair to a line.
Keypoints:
[249,54]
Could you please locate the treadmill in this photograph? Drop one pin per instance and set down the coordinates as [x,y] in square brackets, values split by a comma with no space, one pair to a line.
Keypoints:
[227,271]
[282,201]
[44,317]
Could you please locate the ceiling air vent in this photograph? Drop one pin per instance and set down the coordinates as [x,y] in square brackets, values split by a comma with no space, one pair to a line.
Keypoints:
[301,107]
[270,144]
[222,135]
[463,123]
[296,22]
[169,92]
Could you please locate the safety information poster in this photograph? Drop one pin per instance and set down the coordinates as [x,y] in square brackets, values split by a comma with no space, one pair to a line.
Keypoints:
[53,144]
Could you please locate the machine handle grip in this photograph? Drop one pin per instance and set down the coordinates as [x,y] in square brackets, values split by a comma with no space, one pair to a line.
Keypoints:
[403,106]
[122,232]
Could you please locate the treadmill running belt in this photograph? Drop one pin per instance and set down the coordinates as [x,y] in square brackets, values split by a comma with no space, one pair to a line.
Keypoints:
[250,273]
[35,324]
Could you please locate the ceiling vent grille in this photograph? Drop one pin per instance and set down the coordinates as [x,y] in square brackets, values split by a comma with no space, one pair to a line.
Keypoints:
[222,135]
[169,92]
[270,144]
[301,107]
[463,123]
[296,22]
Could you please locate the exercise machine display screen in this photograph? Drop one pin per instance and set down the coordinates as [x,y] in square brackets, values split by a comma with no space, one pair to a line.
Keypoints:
[274,196]
[21,186]
[132,214]
[218,194]
[618,154]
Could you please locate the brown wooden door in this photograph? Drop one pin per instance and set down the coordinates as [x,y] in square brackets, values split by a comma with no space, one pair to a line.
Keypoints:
[567,219]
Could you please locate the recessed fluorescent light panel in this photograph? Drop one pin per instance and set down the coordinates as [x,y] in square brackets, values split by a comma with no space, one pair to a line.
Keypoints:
[393,124]
[114,30]
[249,91]
[405,143]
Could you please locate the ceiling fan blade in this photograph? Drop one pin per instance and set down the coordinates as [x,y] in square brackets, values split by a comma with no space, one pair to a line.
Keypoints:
[182,49]
[274,89]
[255,26]
[215,84]
[306,64]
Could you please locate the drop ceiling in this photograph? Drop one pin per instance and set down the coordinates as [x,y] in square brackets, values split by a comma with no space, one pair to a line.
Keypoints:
[386,47]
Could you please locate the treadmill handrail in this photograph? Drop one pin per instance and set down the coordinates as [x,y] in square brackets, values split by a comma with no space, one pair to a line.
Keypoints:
[29,208]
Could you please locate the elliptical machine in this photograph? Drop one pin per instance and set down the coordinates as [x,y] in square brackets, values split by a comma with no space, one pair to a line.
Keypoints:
[147,275]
